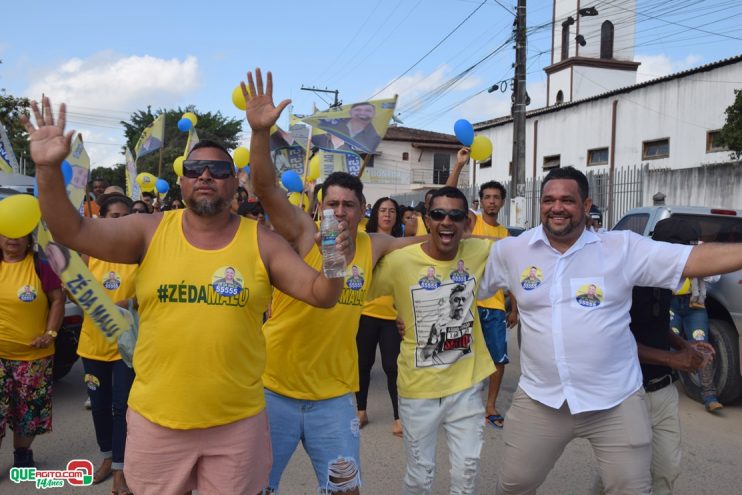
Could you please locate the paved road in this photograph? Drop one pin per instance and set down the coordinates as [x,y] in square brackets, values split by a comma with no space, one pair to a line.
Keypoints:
[712,449]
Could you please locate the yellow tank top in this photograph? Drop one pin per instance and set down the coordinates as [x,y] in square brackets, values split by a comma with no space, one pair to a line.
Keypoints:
[483,228]
[24,309]
[200,352]
[118,280]
[312,353]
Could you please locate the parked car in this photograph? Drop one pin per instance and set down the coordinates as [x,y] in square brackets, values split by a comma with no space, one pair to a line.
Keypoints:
[65,354]
[724,298]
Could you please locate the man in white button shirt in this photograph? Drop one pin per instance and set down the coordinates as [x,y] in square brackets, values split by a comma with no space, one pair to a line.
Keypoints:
[580,374]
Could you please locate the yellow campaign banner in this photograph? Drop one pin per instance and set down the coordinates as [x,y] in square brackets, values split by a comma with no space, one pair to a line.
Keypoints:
[356,127]
[8,163]
[80,163]
[191,142]
[152,137]
[338,161]
[132,188]
[82,286]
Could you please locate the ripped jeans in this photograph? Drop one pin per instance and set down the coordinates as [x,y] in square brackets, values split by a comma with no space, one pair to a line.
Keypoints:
[462,418]
[328,430]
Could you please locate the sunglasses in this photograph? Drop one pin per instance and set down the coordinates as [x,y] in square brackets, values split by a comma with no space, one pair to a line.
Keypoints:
[456,215]
[218,169]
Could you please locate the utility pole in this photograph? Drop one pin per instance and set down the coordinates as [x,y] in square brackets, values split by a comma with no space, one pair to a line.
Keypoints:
[518,179]
[336,92]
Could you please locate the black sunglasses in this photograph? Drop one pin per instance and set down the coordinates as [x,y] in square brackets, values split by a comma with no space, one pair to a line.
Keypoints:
[438,215]
[218,169]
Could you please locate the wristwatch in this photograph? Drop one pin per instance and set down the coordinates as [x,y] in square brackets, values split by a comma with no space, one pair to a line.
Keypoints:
[52,333]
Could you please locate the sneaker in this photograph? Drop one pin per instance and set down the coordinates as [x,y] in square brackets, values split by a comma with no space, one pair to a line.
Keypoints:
[23,458]
[87,404]
[712,404]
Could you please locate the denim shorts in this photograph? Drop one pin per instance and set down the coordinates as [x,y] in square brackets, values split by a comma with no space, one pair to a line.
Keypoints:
[495,332]
[329,431]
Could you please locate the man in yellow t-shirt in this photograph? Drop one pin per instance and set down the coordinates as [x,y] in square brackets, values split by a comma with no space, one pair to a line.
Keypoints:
[495,322]
[443,357]
[189,430]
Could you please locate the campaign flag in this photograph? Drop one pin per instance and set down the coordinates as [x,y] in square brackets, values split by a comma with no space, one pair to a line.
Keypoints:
[8,162]
[152,137]
[191,142]
[132,188]
[357,127]
[80,162]
[338,161]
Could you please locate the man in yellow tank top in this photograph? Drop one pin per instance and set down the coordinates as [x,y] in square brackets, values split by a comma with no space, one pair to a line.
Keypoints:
[196,410]
[312,366]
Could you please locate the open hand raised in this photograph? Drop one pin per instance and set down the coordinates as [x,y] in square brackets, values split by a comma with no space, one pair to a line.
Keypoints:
[49,144]
[259,107]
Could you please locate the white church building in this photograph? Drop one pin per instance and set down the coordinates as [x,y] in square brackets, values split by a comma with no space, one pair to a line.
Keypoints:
[598,118]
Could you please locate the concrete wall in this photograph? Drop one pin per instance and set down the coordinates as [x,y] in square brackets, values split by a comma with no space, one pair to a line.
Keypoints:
[622,15]
[591,81]
[711,186]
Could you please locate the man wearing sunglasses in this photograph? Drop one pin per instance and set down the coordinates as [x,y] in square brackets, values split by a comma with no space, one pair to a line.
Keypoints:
[196,412]
[443,358]
[580,374]
[310,396]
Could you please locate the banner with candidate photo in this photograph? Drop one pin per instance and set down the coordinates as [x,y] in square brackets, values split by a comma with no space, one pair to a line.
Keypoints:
[132,188]
[80,163]
[8,163]
[338,161]
[358,127]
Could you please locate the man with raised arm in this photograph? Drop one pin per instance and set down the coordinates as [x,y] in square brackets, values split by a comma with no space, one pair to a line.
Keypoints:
[196,410]
[579,363]
[312,368]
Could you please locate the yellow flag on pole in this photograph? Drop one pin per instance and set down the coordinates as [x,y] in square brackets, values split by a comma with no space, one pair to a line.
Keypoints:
[152,137]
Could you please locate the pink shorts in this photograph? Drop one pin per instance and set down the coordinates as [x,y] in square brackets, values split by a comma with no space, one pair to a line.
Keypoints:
[233,458]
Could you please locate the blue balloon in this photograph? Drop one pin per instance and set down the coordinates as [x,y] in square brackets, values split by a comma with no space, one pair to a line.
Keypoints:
[35,188]
[464,132]
[292,181]
[184,125]
[246,169]
[66,172]
[162,186]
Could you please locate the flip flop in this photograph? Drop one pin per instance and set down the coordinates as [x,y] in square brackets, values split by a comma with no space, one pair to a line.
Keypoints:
[496,421]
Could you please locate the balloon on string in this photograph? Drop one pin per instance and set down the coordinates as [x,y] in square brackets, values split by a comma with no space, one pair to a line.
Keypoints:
[481,148]
[192,117]
[146,181]
[241,157]
[178,166]
[185,125]
[246,169]
[295,198]
[314,169]
[35,188]
[238,98]
[162,186]
[19,215]
[319,195]
[464,132]
[291,181]
[66,172]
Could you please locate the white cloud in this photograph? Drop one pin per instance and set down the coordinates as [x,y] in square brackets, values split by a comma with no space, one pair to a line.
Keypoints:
[410,87]
[488,106]
[654,66]
[105,88]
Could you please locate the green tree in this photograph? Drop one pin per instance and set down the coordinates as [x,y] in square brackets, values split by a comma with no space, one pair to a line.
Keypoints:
[731,133]
[114,176]
[11,109]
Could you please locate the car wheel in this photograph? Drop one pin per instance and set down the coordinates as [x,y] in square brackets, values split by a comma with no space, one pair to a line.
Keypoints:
[723,337]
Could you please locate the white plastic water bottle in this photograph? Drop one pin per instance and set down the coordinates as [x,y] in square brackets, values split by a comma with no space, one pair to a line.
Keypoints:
[333,261]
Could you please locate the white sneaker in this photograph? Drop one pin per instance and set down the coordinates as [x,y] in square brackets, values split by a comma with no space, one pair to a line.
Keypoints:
[87,403]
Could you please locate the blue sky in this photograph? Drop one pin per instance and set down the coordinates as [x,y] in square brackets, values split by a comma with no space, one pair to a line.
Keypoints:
[108,59]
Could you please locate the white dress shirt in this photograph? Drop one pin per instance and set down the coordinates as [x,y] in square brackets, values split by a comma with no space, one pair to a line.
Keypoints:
[574,311]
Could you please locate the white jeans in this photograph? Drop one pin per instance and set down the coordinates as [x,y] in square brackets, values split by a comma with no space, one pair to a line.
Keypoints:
[462,417]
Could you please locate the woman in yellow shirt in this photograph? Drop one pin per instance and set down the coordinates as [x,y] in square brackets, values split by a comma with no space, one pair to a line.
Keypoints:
[377,325]
[31,312]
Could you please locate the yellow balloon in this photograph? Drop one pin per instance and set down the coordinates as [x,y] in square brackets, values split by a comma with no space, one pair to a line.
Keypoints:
[481,148]
[241,157]
[238,98]
[319,195]
[295,198]
[178,166]
[192,117]
[314,169]
[19,215]
[146,181]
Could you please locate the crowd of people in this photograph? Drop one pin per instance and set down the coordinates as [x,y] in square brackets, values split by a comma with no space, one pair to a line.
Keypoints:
[245,348]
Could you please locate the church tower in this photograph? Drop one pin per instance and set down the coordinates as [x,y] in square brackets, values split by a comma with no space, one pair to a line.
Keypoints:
[592,49]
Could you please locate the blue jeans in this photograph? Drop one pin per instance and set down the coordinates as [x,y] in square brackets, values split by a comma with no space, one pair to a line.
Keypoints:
[495,330]
[693,325]
[329,431]
[108,384]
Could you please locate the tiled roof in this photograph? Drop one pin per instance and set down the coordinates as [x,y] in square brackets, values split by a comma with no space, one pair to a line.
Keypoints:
[397,133]
[555,108]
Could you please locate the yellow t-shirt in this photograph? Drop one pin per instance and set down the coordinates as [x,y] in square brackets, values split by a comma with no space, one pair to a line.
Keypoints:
[443,351]
[483,228]
[200,351]
[421,228]
[24,309]
[312,353]
[118,280]
[381,307]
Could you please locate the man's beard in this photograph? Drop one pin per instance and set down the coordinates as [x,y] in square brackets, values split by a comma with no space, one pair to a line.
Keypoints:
[208,207]
[567,229]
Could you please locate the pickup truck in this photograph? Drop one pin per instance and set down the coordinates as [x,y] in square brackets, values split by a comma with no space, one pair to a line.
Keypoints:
[724,298]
